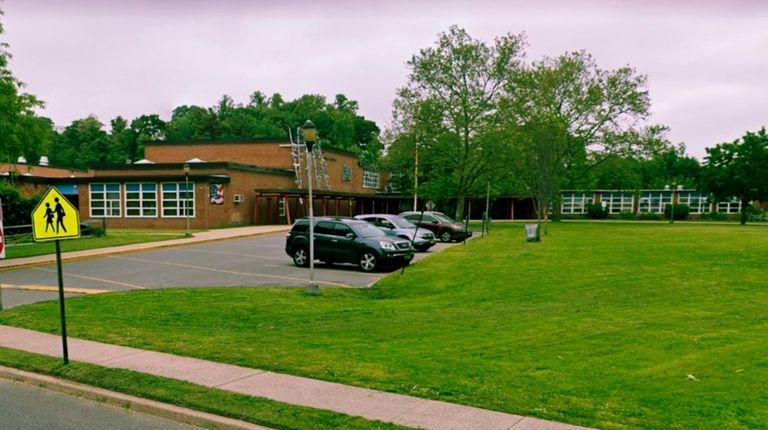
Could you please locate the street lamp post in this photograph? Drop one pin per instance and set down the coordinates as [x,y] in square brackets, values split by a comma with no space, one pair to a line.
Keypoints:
[309,135]
[186,197]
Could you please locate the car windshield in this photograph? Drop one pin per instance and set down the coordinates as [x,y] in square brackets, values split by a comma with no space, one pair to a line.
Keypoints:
[400,222]
[443,218]
[366,230]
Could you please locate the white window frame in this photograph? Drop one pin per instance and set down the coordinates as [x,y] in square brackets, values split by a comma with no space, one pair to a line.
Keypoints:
[625,202]
[731,206]
[346,173]
[575,203]
[179,200]
[370,179]
[654,201]
[697,202]
[111,208]
[142,207]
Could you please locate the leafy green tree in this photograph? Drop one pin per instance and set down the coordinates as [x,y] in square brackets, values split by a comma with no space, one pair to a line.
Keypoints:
[739,169]
[84,143]
[21,132]
[455,86]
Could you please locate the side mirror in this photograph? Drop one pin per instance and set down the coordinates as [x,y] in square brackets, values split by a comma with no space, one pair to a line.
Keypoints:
[350,235]
[434,221]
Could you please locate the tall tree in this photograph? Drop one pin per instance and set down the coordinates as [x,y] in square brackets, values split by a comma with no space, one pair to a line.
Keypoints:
[83,144]
[21,132]
[739,169]
[458,81]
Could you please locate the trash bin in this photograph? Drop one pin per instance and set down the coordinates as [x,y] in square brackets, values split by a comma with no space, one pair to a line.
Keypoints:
[532,233]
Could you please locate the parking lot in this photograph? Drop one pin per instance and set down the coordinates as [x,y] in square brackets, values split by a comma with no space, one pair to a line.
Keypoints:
[252,261]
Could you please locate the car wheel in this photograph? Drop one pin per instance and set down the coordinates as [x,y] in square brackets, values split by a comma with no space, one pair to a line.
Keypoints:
[446,236]
[367,261]
[300,257]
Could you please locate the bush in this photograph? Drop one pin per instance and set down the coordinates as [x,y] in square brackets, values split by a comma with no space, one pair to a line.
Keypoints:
[17,210]
[627,215]
[650,216]
[755,214]
[713,216]
[596,211]
[680,211]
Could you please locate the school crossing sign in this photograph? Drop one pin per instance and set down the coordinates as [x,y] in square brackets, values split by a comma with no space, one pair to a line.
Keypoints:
[55,218]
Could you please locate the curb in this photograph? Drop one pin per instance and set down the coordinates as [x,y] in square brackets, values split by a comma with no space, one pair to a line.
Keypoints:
[124,401]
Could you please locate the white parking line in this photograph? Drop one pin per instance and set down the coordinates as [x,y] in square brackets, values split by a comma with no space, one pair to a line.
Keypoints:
[231,272]
[238,254]
[91,278]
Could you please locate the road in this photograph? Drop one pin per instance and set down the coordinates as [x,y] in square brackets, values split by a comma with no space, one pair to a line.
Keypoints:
[252,261]
[27,407]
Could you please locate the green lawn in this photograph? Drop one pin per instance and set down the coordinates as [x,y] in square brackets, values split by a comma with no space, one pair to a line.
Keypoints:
[115,237]
[612,325]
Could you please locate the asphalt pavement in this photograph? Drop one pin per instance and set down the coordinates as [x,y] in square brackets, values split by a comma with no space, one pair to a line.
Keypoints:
[225,259]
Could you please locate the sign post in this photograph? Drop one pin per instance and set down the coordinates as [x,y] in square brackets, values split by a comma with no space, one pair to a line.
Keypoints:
[2,249]
[55,218]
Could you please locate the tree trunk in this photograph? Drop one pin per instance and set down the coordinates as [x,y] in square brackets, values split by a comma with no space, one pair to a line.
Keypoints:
[459,216]
[744,209]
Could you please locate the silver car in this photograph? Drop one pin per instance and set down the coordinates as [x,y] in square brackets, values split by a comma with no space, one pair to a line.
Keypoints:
[395,225]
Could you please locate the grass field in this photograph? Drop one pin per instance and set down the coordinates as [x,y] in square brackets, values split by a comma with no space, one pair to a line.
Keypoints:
[115,237]
[612,325]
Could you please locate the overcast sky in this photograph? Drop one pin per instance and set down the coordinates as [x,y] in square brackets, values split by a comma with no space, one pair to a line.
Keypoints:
[706,61]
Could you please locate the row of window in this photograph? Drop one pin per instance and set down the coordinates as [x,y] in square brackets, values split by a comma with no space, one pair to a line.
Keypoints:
[647,202]
[141,200]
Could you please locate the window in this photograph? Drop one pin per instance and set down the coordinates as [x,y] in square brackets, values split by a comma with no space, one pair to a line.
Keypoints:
[105,200]
[346,173]
[323,227]
[280,207]
[698,202]
[141,200]
[341,230]
[731,206]
[370,179]
[176,196]
[654,201]
[617,202]
[575,203]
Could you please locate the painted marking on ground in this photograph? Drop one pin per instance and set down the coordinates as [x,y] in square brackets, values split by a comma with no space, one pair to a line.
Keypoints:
[49,289]
[238,254]
[231,272]
[92,278]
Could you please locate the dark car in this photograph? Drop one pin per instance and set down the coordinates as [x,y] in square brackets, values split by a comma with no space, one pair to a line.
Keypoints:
[395,225]
[346,240]
[445,228]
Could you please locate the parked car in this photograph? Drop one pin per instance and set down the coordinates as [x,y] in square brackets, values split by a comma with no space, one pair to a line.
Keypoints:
[346,240]
[445,228]
[395,225]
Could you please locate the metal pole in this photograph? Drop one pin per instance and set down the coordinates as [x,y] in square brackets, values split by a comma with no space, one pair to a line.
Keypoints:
[62,311]
[416,178]
[312,286]
[186,201]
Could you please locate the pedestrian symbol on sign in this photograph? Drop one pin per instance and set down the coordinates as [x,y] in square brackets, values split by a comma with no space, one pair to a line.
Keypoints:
[55,218]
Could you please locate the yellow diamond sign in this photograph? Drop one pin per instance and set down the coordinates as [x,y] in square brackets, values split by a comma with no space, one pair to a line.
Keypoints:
[55,218]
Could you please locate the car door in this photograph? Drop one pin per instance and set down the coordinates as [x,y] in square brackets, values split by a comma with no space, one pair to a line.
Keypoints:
[344,247]
[324,240]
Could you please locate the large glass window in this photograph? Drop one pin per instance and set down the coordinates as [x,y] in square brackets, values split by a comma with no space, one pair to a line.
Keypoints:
[698,202]
[370,179]
[617,202]
[654,201]
[105,200]
[731,206]
[176,197]
[575,203]
[141,200]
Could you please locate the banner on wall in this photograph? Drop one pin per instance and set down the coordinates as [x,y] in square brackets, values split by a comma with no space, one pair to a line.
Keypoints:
[217,194]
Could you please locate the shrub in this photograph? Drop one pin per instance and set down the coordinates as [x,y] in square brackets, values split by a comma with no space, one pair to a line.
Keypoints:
[755,214]
[680,211]
[17,210]
[627,215]
[650,216]
[596,211]
[713,216]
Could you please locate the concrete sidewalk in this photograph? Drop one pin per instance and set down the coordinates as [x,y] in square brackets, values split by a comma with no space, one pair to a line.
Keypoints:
[366,403]
[204,236]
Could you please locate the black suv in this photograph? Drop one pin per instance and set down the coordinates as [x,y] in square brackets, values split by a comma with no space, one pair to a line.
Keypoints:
[346,240]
